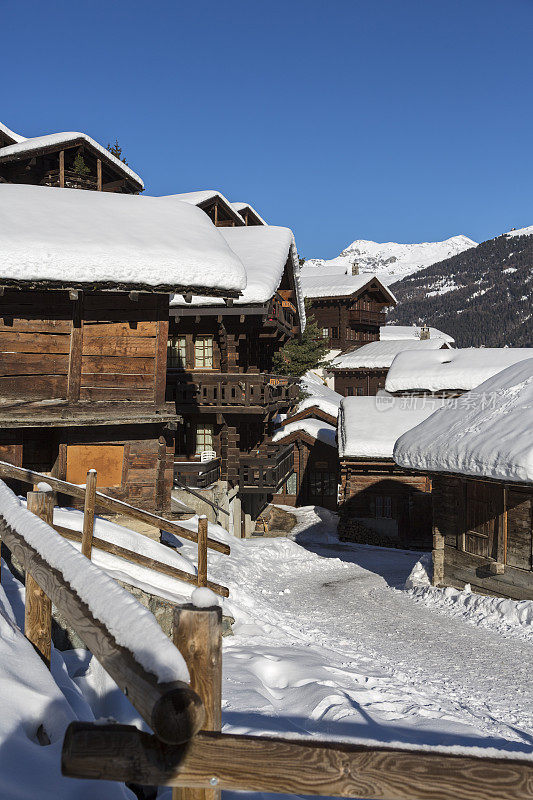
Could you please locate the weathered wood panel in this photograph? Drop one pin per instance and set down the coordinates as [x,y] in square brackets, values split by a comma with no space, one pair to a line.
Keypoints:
[32,363]
[519,530]
[18,342]
[34,387]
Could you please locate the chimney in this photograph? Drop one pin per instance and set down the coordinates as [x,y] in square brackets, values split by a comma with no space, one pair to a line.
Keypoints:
[424,332]
[355,268]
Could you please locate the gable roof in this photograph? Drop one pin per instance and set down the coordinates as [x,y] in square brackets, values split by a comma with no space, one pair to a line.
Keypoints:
[485,433]
[319,395]
[368,427]
[15,137]
[316,429]
[205,196]
[387,332]
[239,207]
[48,237]
[51,140]
[461,369]
[342,285]
[264,251]
[381,354]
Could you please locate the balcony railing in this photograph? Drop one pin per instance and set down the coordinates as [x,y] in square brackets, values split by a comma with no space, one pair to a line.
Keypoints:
[197,474]
[220,389]
[266,472]
[370,317]
[72,180]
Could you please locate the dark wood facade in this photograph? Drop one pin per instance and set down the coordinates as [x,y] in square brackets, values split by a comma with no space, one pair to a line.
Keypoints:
[483,535]
[359,382]
[315,475]
[380,503]
[82,385]
[353,320]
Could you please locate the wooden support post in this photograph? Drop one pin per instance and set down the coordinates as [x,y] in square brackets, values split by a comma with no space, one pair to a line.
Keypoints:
[62,169]
[38,608]
[202,551]
[99,174]
[198,637]
[88,514]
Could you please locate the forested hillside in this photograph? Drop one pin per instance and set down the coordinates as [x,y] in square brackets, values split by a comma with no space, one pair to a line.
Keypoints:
[483,296]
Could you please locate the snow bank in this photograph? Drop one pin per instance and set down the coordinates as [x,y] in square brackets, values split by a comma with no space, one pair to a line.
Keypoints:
[327,285]
[387,332]
[48,235]
[486,433]
[54,139]
[380,355]
[320,395]
[461,369]
[321,431]
[132,625]
[368,427]
[264,251]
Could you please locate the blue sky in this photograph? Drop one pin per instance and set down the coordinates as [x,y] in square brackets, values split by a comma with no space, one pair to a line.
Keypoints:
[393,120]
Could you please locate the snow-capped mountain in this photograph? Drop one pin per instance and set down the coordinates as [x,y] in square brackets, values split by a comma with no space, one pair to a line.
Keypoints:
[390,261]
[483,296]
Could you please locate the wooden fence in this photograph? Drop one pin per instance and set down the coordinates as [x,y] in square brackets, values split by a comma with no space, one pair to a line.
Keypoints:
[94,500]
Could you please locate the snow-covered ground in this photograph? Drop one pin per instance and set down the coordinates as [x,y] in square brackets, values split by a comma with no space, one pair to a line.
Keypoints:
[328,643]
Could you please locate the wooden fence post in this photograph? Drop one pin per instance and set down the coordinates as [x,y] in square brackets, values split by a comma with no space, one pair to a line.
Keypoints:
[198,637]
[88,514]
[202,551]
[38,607]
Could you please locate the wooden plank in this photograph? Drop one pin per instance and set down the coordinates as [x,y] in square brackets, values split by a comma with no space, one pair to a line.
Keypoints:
[34,387]
[88,514]
[38,607]
[97,330]
[161,360]
[32,363]
[106,503]
[99,174]
[126,346]
[198,637]
[126,365]
[76,345]
[142,561]
[289,766]
[202,550]
[18,342]
[21,325]
[61,169]
[116,380]
[127,393]
[173,710]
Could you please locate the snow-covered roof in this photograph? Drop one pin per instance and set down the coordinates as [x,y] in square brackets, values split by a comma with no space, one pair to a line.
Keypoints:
[326,285]
[368,427]
[52,139]
[12,135]
[380,355]
[486,433]
[243,206]
[264,251]
[204,196]
[320,395]
[68,237]
[321,431]
[387,332]
[462,369]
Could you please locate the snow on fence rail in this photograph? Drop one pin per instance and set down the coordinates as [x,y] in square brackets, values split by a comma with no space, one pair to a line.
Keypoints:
[94,499]
[122,634]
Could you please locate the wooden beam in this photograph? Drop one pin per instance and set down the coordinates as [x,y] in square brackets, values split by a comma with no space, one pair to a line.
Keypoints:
[75,354]
[289,766]
[172,710]
[106,503]
[88,514]
[202,551]
[38,607]
[99,174]
[61,169]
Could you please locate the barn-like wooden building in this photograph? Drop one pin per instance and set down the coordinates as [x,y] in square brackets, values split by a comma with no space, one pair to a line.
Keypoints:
[478,453]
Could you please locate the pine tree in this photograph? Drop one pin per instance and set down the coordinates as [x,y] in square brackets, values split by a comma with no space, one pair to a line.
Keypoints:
[300,355]
[116,150]
[80,167]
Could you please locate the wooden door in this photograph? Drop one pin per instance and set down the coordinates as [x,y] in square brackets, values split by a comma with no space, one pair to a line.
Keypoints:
[519,530]
[323,489]
[481,518]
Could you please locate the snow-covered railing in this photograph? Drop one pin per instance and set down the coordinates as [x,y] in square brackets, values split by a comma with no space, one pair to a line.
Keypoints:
[121,633]
[94,499]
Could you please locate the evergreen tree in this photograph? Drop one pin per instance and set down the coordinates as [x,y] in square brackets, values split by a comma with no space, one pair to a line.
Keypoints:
[80,167]
[116,150]
[300,355]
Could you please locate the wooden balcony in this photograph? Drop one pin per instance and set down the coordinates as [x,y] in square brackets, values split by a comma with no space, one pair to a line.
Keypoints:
[231,392]
[197,474]
[367,317]
[72,180]
[281,316]
[266,472]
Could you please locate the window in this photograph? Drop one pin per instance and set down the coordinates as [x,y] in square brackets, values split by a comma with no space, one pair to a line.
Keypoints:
[335,333]
[203,352]
[323,484]
[360,392]
[349,391]
[176,352]
[325,333]
[291,486]
[204,438]
[383,506]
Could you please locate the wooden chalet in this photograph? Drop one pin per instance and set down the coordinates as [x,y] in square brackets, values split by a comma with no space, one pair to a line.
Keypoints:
[362,371]
[220,376]
[218,208]
[349,310]
[249,214]
[379,502]
[315,475]
[478,453]
[67,160]
[84,330]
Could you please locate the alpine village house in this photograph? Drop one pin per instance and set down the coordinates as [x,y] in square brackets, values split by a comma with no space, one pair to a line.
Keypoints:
[85,339]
